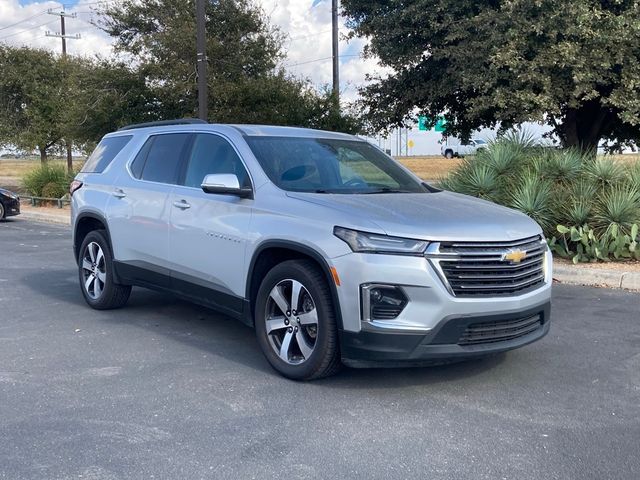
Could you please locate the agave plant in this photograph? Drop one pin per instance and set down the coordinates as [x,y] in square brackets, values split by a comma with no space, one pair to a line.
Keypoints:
[618,208]
[480,180]
[584,188]
[562,165]
[534,197]
[503,157]
[606,171]
[633,174]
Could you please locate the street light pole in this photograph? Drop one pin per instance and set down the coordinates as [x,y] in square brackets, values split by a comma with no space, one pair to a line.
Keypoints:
[201,58]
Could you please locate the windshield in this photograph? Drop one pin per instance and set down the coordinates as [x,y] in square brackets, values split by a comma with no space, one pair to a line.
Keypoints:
[480,142]
[323,165]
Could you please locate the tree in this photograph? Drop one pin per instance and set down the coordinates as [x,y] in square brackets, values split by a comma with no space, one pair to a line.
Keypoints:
[107,95]
[243,51]
[32,99]
[573,64]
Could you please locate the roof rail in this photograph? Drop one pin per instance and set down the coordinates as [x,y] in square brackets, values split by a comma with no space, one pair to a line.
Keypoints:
[179,121]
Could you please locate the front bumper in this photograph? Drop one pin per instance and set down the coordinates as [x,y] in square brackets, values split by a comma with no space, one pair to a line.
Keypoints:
[431,324]
[12,207]
[444,342]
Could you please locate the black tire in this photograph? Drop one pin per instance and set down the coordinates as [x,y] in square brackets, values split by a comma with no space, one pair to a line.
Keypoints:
[448,154]
[3,212]
[324,359]
[111,295]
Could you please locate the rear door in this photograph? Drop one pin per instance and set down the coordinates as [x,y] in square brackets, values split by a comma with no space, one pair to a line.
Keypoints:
[139,210]
[208,233]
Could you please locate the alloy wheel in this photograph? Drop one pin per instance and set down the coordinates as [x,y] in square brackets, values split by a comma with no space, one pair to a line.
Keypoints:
[291,321]
[94,272]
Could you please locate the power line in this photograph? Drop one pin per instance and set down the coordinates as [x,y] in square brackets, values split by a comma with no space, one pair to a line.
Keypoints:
[27,29]
[321,60]
[24,20]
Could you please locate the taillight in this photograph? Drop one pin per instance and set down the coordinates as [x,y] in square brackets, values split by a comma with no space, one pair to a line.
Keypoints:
[75,185]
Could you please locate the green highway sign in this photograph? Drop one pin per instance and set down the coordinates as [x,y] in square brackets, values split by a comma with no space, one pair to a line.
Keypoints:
[424,120]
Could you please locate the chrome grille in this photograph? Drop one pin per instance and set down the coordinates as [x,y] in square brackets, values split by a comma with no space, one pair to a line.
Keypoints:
[481,269]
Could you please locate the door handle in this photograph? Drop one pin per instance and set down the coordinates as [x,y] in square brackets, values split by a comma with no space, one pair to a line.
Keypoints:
[182,204]
[119,193]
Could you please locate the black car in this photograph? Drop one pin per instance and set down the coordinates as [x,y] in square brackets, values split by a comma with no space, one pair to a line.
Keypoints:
[9,204]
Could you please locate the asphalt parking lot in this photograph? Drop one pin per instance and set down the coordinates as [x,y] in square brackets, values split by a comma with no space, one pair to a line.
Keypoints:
[163,389]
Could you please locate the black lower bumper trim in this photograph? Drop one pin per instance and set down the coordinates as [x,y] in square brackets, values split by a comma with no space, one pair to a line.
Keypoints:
[365,348]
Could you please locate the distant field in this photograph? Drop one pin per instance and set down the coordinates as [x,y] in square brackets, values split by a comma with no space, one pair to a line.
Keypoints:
[436,167]
[427,167]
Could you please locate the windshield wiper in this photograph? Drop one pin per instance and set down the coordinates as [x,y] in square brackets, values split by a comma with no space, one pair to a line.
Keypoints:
[387,190]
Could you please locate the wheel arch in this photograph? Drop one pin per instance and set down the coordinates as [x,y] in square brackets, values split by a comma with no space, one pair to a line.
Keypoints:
[86,223]
[271,253]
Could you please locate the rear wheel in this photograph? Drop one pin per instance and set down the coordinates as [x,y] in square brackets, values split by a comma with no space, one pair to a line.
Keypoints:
[295,321]
[95,269]
[2,211]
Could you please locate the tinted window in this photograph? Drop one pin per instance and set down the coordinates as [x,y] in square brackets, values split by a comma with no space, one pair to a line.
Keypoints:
[104,153]
[213,154]
[330,166]
[138,163]
[163,160]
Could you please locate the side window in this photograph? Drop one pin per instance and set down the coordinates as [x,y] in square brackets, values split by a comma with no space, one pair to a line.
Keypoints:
[138,163]
[104,153]
[212,154]
[162,162]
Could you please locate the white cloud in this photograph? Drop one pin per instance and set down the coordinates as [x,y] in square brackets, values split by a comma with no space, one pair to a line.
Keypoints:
[308,43]
[27,26]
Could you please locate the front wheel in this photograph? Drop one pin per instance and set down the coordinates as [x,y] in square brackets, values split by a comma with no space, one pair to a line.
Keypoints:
[448,154]
[295,321]
[95,269]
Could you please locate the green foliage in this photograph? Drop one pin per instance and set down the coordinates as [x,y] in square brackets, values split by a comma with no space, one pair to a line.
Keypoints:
[597,198]
[583,244]
[570,63]
[50,181]
[245,83]
[533,197]
[32,99]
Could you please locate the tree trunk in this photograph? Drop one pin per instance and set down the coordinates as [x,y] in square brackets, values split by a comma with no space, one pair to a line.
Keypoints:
[583,128]
[43,156]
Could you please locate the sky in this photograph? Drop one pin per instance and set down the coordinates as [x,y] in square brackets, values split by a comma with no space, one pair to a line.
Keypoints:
[306,23]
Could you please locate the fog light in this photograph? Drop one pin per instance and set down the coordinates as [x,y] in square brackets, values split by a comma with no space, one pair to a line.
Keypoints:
[382,302]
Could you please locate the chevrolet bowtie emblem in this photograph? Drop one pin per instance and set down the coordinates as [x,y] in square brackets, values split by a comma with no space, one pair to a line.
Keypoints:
[515,256]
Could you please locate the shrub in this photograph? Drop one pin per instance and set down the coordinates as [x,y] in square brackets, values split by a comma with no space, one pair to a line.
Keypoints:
[47,181]
[594,200]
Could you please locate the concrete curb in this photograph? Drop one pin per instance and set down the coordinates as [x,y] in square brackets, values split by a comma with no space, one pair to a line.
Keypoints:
[44,217]
[562,273]
[597,277]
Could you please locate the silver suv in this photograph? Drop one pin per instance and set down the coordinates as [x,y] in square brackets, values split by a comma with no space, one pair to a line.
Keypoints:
[332,251]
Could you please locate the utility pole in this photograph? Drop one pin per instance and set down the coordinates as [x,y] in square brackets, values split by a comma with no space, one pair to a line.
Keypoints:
[63,36]
[336,53]
[201,59]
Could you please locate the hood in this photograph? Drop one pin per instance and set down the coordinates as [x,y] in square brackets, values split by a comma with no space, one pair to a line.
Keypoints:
[442,216]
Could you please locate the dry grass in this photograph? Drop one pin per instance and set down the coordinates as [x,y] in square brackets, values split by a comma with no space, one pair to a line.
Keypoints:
[17,168]
[431,167]
[437,167]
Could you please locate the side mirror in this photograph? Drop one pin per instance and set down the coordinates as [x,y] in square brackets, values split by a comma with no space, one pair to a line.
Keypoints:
[225,184]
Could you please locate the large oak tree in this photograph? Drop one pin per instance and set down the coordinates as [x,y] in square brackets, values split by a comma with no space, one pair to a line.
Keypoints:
[574,64]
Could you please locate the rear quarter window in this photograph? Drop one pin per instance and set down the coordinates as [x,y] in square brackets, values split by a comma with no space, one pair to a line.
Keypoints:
[104,153]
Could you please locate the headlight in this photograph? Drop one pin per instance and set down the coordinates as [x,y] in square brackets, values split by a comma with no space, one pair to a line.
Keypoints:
[374,243]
